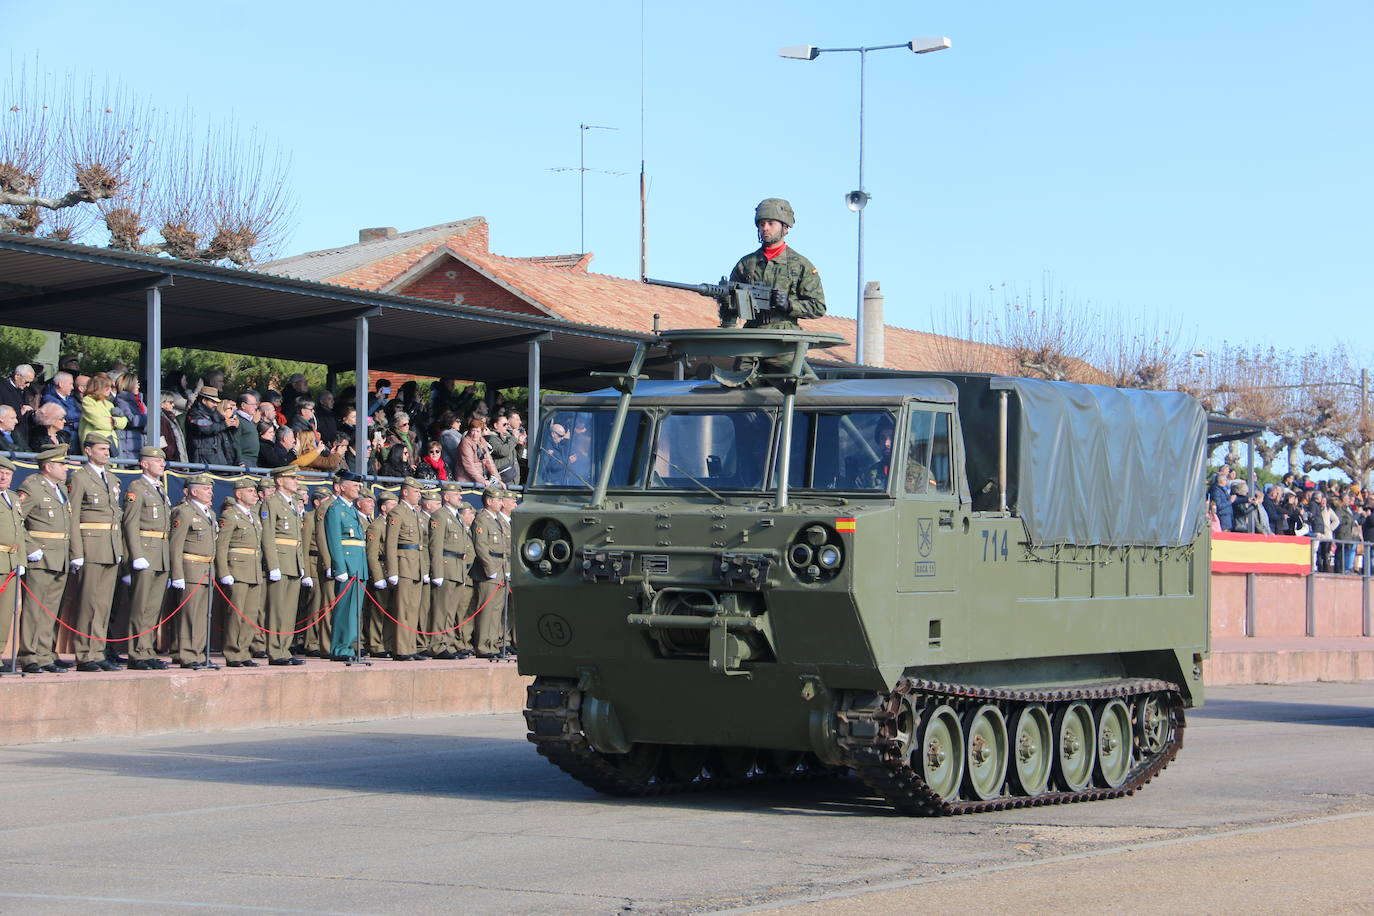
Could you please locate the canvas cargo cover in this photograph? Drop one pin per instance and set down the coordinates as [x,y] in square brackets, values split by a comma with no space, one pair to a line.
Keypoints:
[1109,465]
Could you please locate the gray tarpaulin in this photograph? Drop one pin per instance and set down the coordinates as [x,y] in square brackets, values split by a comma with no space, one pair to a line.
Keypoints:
[1109,465]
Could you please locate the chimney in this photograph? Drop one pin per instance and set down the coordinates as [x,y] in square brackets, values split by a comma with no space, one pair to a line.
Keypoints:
[873,324]
[373,235]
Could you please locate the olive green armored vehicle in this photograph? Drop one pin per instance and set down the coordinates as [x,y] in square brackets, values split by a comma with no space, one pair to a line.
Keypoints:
[975,592]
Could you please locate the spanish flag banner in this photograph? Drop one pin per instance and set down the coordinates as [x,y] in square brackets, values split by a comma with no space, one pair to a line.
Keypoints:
[844,525]
[1261,553]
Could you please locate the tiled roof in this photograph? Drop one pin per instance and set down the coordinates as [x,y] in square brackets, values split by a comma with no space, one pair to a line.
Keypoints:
[332,263]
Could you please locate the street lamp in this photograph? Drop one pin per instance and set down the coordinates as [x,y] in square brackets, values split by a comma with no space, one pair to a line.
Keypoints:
[858,199]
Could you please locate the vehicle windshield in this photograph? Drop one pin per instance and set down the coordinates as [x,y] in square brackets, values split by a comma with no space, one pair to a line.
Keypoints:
[572,445]
[711,450]
[840,450]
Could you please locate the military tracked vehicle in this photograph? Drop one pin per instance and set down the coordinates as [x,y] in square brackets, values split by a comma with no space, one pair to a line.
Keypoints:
[975,592]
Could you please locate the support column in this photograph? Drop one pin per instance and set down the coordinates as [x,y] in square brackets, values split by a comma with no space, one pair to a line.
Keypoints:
[532,421]
[360,367]
[152,355]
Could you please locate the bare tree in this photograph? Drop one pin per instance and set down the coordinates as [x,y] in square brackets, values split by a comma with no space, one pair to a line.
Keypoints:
[1144,351]
[76,156]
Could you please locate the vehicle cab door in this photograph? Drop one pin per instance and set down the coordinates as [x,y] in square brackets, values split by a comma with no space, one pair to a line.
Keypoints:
[931,517]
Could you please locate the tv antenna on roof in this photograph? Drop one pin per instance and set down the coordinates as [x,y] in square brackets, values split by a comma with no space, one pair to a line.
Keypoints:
[582,171]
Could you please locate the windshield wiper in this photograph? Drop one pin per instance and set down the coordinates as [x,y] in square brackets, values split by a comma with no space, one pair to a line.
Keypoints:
[559,458]
[671,464]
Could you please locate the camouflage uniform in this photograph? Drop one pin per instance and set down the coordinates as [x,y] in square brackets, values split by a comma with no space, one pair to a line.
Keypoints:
[790,272]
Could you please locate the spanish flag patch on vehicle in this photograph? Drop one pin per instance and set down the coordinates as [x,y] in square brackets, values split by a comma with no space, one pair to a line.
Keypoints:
[844,524]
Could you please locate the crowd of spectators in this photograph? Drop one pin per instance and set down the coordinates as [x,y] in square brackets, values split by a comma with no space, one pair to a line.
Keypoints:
[451,434]
[1339,515]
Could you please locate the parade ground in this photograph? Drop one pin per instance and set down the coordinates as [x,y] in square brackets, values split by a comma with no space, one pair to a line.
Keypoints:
[1268,809]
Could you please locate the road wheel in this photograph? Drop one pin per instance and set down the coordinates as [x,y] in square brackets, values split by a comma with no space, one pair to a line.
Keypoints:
[1032,750]
[1074,742]
[985,760]
[939,754]
[1114,743]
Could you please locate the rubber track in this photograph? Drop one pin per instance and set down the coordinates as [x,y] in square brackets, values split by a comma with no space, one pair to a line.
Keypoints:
[552,712]
[868,730]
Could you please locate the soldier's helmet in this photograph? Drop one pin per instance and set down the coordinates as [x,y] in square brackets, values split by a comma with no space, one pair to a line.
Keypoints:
[775,208]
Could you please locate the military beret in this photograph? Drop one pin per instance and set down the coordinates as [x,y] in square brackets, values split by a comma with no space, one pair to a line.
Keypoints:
[200,480]
[288,471]
[55,453]
[412,483]
[321,491]
[7,464]
[451,486]
[494,492]
[94,439]
[152,451]
[247,482]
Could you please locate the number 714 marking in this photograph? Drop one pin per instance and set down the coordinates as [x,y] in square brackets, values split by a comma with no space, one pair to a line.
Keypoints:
[992,549]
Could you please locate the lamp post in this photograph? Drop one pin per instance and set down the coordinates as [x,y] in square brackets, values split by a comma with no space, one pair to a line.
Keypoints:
[858,199]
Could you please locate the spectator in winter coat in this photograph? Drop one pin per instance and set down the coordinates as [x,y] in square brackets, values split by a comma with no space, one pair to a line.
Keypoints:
[130,402]
[211,429]
[474,455]
[99,414]
[1219,492]
[13,434]
[246,437]
[173,438]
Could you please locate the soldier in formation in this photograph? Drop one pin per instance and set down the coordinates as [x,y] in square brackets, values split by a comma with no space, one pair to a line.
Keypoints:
[238,559]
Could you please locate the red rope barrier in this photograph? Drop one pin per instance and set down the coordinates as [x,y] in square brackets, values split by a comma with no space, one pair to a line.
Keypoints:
[323,613]
[25,586]
[435,632]
[13,573]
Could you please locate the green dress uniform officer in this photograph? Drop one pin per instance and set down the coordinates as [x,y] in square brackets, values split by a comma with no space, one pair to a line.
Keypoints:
[192,548]
[11,547]
[147,521]
[238,559]
[97,550]
[374,635]
[467,600]
[429,502]
[491,544]
[795,280]
[284,556]
[449,557]
[47,528]
[405,563]
[266,487]
[345,539]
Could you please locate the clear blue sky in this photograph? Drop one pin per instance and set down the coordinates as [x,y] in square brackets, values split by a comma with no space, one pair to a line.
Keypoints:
[1208,161]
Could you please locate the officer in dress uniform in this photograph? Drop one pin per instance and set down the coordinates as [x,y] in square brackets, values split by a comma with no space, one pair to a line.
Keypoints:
[47,527]
[11,546]
[344,539]
[467,600]
[192,548]
[266,487]
[448,561]
[97,549]
[238,558]
[508,503]
[284,556]
[147,520]
[490,542]
[429,502]
[405,563]
[375,629]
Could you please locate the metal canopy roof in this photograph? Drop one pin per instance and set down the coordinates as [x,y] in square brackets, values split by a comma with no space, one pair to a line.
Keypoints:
[59,286]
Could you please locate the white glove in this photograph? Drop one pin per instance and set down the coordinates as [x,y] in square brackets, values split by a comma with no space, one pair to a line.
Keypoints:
[341,577]
[177,583]
[139,563]
[495,575]
[226,580]
[439,581]
[307,582]
[379,584]
[274,575]
[393,579]
[127,579]
[19,571]
[425,579]
[78,563]
[35,556]
[329,573]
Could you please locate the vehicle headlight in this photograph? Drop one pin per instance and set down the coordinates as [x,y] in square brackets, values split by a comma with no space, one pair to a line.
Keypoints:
[828,557]
[560,551]
[799,555]
[816,554]
[534,550]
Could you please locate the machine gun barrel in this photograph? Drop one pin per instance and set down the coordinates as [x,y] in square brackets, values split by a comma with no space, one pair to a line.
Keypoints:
[747,302]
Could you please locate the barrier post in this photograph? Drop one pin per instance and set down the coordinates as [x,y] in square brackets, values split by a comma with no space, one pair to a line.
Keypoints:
[1249,604]
[1311,625]
[18,621]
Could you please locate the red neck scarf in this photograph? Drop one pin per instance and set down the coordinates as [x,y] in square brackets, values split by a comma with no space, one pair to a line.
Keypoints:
[771,253]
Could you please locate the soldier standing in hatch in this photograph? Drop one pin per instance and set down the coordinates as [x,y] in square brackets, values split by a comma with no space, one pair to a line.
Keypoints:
[193,556]
[47,524]
[238,557]
[796,284]
[97,548]
[147,520]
